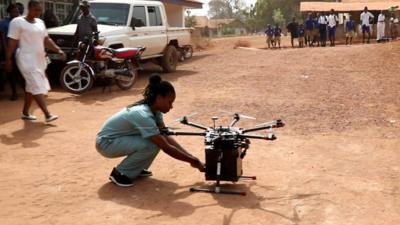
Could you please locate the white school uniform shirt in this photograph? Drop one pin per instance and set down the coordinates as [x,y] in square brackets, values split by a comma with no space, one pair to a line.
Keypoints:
[322,20]
[365,17]
[332,18]
[381,18]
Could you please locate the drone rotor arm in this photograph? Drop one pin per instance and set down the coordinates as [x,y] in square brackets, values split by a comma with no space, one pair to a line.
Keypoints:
[263,137]
[199,126]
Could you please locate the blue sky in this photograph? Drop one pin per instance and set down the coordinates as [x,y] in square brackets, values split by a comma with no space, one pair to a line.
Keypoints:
[204,11]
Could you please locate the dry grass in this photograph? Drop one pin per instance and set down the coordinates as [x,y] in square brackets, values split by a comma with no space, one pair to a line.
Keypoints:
[242,43]
[200,43]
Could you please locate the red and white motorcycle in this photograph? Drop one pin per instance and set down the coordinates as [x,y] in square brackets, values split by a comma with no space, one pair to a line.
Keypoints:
[97,61]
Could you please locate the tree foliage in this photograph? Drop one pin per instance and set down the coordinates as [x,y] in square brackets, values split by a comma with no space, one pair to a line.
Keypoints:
[225,9]
[190,21]
[256,17]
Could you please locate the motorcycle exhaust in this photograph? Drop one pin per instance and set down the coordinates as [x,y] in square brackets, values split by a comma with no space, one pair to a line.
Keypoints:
[120,74]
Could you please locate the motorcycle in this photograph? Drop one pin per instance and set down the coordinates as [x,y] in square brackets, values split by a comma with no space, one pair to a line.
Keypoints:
[99,62]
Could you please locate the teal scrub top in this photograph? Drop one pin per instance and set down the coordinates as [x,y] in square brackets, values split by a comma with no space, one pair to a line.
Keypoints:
[136,120]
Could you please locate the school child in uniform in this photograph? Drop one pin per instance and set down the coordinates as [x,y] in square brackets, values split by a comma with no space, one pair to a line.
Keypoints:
[277,35]
[270,35]
[350,30]
[301,33]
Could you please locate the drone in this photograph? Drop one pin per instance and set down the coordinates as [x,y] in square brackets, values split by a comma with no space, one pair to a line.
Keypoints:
[225,148]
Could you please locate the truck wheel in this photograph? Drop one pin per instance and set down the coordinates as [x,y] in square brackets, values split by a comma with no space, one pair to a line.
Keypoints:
[76,79]
[169,59]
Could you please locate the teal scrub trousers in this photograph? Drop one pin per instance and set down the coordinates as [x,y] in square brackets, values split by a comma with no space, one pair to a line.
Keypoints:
[140,152]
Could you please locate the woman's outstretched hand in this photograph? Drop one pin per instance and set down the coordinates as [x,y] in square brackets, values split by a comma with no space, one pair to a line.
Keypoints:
[199,165]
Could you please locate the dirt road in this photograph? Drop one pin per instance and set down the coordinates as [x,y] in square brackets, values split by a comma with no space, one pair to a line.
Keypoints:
[336,161]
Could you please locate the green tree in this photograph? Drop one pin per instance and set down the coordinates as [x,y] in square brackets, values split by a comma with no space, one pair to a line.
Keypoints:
[278,17]
[190,21]
[225,9]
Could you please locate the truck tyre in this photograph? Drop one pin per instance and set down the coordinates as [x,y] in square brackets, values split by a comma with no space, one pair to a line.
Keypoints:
[169,59]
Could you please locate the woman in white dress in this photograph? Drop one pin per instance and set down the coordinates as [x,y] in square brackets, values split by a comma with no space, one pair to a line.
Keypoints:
[30,35]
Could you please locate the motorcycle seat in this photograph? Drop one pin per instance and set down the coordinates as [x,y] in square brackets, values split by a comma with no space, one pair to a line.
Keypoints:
[125,52]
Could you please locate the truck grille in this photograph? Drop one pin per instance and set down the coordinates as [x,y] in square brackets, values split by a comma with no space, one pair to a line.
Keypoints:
[63,41]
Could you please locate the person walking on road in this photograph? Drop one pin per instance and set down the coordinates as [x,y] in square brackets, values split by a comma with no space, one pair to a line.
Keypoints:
[29,33]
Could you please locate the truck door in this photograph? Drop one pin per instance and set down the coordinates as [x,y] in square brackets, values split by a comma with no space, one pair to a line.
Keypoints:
[157,34]
[140,30]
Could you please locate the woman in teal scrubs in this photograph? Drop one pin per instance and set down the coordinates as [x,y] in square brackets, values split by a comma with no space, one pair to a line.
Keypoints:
[134,132]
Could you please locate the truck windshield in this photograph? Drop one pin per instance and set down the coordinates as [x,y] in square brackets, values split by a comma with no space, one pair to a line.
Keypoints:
[107,13]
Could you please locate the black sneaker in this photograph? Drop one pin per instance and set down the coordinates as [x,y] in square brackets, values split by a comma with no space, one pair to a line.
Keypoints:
[145,173]
[120,179]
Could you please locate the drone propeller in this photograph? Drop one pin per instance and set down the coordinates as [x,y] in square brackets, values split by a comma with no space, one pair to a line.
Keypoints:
[240,115]
[274,123]
[183,117]
[169,128]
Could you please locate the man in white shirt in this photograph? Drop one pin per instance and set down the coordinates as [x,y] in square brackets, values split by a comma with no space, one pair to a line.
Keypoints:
[380,27]
[332,21]
[365,18]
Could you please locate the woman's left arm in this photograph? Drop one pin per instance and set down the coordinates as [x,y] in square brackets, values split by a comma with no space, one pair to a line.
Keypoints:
[49,43]
[171,140]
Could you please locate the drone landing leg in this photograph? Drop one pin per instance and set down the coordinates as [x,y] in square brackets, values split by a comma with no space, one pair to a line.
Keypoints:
[220,191]
[217,189]
[248,177]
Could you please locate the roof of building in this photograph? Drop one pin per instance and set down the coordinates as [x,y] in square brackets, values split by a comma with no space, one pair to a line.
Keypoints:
[203,21]
[188,3]
[347,6]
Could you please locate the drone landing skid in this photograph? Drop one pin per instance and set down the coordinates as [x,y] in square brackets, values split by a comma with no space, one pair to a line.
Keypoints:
[218,190]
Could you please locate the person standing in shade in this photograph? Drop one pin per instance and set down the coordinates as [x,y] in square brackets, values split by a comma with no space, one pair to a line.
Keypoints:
[332,22]
[366,18]
[309,37]
[380,27]
[86,23]
[29,33]
[322,21]
[270,35]
[277,35]
[350,29]
[293,28]
[316,36]
[301,33]
[14,76]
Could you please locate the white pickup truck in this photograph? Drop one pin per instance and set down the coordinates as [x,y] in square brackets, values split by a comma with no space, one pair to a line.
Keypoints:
[131,23]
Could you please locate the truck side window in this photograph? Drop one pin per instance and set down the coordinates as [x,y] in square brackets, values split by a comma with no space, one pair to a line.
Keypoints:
[154,16]
[139,15]
[158,15]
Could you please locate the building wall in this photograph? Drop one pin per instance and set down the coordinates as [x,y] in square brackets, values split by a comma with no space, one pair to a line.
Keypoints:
[176,16]
[60,8]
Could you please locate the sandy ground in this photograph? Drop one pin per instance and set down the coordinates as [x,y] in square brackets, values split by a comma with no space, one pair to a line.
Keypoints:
[336,161]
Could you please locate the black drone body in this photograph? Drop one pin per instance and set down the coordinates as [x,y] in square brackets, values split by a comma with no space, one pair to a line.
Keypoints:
[225,148]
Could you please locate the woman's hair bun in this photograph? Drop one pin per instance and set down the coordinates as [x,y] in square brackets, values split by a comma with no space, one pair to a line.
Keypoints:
[155,78]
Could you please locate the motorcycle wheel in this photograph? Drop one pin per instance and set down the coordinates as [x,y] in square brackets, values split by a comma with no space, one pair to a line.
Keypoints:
[126,85]
[188,53]
[73,81]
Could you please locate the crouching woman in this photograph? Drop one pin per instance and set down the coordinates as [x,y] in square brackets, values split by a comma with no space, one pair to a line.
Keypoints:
[134,132]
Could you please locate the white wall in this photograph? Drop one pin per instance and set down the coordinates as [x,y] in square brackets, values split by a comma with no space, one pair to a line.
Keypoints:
[175,15]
